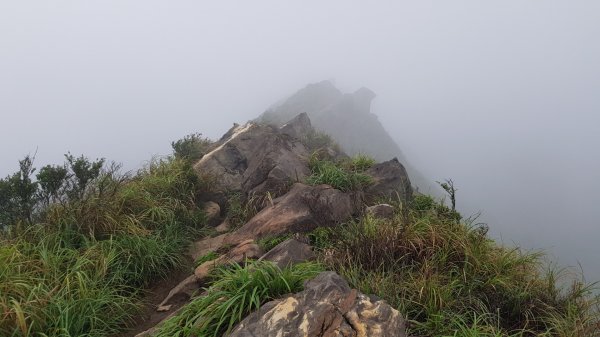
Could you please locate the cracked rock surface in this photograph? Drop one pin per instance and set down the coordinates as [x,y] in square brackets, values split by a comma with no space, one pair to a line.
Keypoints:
[327,307]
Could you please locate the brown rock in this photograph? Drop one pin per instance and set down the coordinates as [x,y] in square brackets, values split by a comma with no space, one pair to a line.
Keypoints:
[326,308]
[288,253]
[245,250]
[223,227]
[212,210]
[302,209]
[206,245]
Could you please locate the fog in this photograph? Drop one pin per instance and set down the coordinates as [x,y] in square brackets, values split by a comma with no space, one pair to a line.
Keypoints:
[503,97]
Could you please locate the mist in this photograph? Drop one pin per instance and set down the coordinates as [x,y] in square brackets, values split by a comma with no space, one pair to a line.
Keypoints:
[501,97]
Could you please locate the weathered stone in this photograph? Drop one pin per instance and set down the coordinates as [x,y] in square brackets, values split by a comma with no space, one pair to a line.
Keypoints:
[302,209]
[212,210]
[298,127]
[382,211]
[205,246]
[390,180]
[245,250]
[223,227]
[255,159]
[327,307]
[288,253]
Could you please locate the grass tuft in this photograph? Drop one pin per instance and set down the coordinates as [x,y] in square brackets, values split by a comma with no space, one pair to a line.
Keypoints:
[237,291]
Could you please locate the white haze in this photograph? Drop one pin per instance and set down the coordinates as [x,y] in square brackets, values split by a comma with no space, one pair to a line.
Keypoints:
[501,96]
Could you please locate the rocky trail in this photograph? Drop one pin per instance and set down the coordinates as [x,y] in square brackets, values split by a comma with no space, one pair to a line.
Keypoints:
[273,162]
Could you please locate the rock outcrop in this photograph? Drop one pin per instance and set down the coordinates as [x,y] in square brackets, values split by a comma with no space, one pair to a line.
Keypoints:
[254,159]
[327,307]
[302,209]
[390,180]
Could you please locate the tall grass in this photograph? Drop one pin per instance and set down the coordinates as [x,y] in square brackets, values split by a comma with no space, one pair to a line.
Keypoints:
[78,271]
[237,291]
[345,176]
[447,276]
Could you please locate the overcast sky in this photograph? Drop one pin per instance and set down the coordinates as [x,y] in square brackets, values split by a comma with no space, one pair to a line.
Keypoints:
[501,96]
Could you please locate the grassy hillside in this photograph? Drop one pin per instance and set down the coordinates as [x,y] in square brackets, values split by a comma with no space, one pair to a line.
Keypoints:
[79,242]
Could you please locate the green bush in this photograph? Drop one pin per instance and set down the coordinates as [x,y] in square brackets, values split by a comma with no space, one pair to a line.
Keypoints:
[191,147]
[440,273]
[236,292]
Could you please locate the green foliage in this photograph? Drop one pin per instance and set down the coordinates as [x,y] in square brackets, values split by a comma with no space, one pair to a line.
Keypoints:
[359,163]
[439,273]
[51,180]
[320,237]
[237,291]
[269,242]
[77,272]
[336,175]
[205,258]
[241,209]
[191,147]
[315,140]
[84,172]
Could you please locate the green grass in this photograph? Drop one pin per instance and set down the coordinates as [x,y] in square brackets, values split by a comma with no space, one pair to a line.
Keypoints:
[269,242]
[447,276]
[343,176]
[205,258]
[237,291]
[79,270]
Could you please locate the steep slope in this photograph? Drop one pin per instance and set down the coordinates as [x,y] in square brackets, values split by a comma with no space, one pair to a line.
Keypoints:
[348,119]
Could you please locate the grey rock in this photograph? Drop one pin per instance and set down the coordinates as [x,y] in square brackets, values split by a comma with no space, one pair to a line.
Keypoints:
[289,252]
[327,307]
[390,181]
[383,211]
[255,159]
[298,127]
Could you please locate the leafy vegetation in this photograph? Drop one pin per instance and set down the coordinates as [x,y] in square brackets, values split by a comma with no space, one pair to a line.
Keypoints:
[450,279]
[205,258]
[191,147]
[236,291]
[79,242]
[269,242]
[345,175]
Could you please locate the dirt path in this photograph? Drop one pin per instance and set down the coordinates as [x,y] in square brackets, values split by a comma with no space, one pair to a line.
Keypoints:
[148,316]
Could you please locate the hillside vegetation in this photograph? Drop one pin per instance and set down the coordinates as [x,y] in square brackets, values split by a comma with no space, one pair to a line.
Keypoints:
[80,242]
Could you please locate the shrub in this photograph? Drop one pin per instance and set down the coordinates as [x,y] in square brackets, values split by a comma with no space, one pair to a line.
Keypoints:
[236,292]
[191,147]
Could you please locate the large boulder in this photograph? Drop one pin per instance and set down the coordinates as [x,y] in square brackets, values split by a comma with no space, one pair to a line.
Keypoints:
[255,159]
[302,209]
[390,180]
[327,307]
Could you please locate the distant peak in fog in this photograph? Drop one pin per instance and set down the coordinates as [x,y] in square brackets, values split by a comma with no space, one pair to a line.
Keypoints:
[346,117]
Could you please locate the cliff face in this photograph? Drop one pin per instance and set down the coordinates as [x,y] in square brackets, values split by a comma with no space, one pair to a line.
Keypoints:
[347,118]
